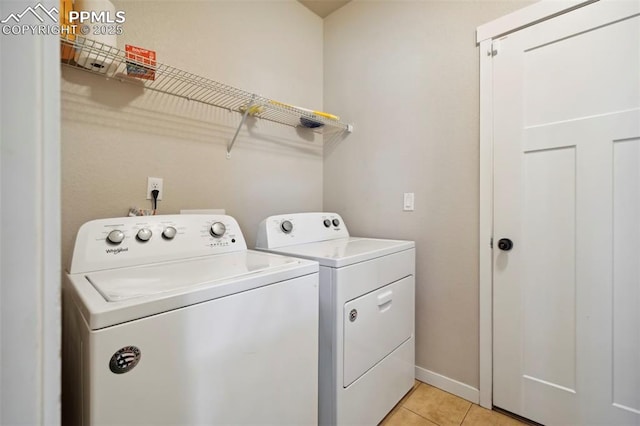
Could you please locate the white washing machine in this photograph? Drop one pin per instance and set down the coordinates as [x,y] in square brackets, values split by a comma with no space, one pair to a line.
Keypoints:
[171,320]
[367,293]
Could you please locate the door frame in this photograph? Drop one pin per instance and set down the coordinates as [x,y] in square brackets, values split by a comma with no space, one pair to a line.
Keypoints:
[30,213]
[485,36]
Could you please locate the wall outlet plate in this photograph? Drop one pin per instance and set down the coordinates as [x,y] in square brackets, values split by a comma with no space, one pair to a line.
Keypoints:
[154,183]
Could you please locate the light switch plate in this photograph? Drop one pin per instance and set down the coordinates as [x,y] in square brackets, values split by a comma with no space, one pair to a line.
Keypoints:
[409,200]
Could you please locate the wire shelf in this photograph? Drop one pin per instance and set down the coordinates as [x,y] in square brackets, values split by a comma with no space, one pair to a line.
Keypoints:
[111,62]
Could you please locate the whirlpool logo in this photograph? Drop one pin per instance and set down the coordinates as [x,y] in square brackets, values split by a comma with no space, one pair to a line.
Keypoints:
[117,250]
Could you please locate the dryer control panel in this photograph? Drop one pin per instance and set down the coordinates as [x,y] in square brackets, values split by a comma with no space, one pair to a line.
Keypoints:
[140,240]
[299,228]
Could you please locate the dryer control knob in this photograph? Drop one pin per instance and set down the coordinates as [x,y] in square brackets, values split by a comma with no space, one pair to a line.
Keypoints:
[144,235]
[115,237]
[169,232]
[327,223]
[217,229]
[286,226]
[335,222]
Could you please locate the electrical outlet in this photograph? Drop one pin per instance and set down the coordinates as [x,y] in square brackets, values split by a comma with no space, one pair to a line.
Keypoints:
[154,183]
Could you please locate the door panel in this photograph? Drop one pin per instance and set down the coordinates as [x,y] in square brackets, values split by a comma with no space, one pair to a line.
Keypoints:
[549,231]
[555,74]
[567,192]
[626,274]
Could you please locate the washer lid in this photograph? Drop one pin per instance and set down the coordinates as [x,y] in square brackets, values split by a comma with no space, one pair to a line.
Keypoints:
[116,296]
[127,283]
[345,251]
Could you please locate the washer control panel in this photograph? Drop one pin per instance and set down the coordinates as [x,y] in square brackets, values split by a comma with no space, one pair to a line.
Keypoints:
[140,240]
[299,228]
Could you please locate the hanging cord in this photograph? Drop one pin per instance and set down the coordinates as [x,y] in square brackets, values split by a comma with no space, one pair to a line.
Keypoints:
[154,202]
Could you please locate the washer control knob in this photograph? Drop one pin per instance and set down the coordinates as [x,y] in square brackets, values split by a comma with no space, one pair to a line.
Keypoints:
[144,235]
[217,229]
[335,222]
[115,237]
[169,232]
[286,226]
[327,223]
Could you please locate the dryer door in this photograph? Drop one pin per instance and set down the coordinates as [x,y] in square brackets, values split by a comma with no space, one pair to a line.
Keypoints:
[375,324]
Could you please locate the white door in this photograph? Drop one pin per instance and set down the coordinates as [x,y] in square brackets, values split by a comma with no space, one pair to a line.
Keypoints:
[566,297]
[376,324]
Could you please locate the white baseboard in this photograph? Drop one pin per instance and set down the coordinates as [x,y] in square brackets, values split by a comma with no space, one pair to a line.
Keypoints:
[449,385]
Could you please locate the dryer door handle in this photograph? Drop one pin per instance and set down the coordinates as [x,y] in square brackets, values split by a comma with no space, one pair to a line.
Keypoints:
[384,300]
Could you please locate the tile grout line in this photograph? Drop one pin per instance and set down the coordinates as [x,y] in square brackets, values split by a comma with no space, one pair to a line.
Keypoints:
[466,414]
[421,416]
[403,400]
[415,388]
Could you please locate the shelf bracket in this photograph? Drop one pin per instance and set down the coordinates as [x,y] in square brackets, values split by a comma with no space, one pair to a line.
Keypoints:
[244,118]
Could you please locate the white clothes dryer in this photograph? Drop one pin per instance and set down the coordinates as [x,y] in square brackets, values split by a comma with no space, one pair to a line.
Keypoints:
[367,298]
[171,320]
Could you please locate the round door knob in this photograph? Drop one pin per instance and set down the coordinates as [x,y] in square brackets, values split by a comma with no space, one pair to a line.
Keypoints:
[144,234]
[115,237]
[286,226]
[336,222]
[505,244]
[169,232]
[327,223]
[218,229]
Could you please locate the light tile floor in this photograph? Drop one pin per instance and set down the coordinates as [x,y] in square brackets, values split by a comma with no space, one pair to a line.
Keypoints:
[426,405]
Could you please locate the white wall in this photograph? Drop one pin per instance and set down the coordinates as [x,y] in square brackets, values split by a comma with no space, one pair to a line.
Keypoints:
[407,74]
[29,227]
[114,135]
